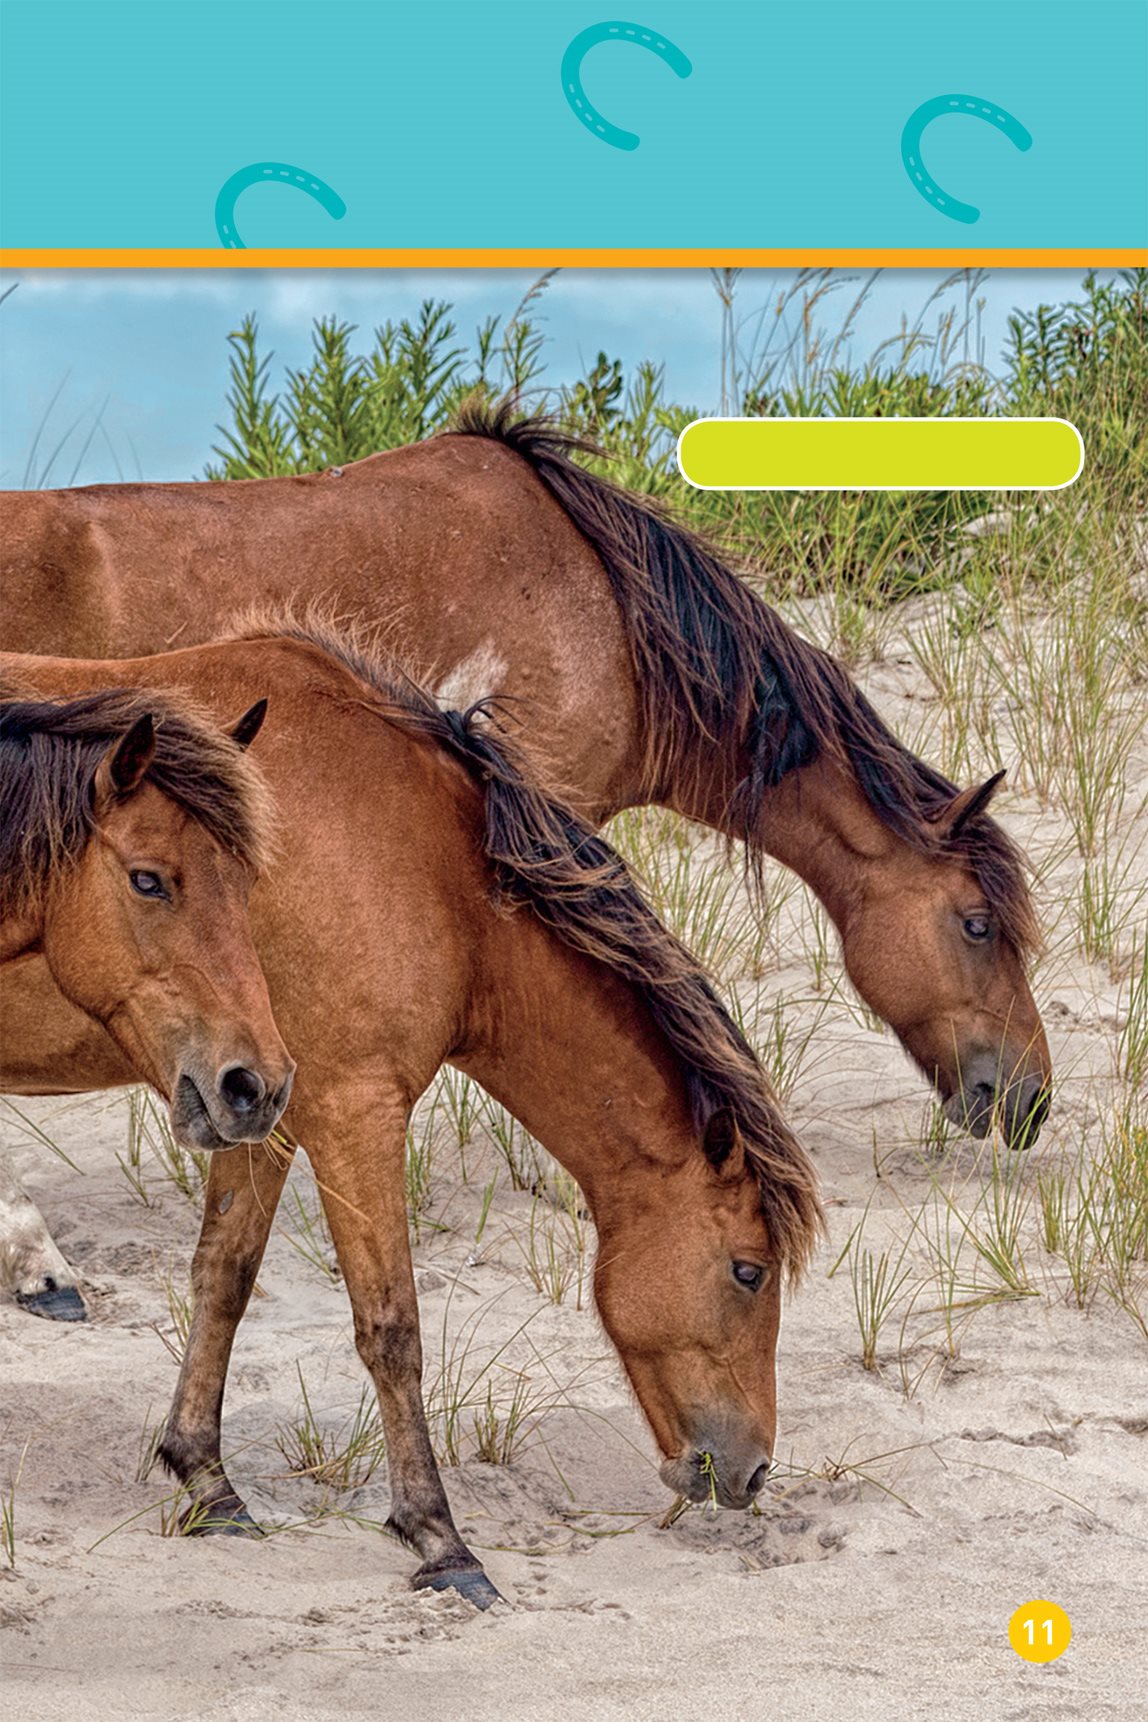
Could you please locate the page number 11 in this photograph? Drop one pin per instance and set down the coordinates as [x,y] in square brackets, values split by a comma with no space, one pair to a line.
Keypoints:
[1040,1631]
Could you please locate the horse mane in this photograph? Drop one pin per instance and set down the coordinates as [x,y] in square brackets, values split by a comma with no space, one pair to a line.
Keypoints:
[546,857]
[711,657]
[49,753]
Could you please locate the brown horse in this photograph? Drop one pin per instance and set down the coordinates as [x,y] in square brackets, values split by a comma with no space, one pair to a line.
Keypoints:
[644,669]
[130,834]
[387,939]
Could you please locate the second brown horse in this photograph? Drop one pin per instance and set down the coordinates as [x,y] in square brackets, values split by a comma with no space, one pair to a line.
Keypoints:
[431,904]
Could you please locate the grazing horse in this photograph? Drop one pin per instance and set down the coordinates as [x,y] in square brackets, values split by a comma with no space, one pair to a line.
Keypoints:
[130,833]
[642,667]
[433,905]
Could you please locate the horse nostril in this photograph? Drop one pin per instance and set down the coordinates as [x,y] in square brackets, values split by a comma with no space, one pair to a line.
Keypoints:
[976,1106]
[241,1089]
[757,1482]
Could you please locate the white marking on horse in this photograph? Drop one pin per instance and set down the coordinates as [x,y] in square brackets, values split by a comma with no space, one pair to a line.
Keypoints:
[472,679]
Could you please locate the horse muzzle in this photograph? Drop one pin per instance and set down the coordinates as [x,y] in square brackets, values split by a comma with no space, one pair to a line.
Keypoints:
[1021,1106]
[702,1475]
[236,1106]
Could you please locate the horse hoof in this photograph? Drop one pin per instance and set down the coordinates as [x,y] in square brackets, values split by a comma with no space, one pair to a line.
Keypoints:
[220,1521]
[470,1582]
[59,1303]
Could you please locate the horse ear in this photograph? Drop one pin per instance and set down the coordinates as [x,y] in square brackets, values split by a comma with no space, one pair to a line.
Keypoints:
[722,1142]
[244,730]
[124,766]
[955,815]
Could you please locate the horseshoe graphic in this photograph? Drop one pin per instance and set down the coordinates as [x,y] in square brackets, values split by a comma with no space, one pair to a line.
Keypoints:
[572,74]
[257,174]
[911,146]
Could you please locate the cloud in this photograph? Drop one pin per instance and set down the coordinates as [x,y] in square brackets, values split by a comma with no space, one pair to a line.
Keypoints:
[297,297]
[293,299]
[625,291]
[89,286]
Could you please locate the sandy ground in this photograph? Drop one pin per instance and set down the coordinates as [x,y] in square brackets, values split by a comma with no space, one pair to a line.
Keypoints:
[915,1507]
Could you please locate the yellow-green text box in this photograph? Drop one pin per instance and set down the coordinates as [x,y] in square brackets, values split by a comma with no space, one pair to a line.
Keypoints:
[880,454]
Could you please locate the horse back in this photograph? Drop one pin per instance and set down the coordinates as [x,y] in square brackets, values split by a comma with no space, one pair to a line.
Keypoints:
[453,546]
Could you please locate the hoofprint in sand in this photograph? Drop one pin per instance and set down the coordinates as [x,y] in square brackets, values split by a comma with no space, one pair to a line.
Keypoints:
[996,1452]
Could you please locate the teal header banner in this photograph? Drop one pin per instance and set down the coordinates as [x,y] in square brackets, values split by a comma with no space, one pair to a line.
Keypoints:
[157,123]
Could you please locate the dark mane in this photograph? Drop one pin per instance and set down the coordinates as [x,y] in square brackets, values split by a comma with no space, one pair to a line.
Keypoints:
[712,657]
[50,750]
[543,855]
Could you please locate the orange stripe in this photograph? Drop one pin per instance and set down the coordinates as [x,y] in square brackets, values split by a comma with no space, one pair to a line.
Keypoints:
[533,257]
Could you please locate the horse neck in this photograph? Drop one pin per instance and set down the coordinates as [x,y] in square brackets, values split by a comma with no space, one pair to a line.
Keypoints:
[816,821]
[570,1049]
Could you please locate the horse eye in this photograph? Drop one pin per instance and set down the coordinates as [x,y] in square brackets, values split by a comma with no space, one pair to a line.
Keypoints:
[977,928]
[147,884]
[749,1275]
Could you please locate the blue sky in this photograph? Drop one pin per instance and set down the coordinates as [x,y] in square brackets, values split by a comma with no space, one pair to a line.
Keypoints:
[150,349]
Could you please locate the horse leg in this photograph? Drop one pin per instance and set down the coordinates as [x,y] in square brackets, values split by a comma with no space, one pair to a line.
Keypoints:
[240,1199]
[31,1267]
[365,1203]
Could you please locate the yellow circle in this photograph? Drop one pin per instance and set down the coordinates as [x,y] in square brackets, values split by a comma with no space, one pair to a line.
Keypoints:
[1039,1631]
